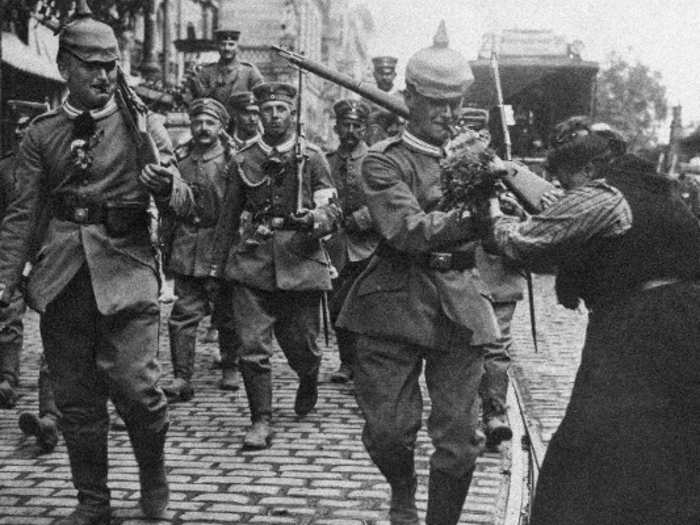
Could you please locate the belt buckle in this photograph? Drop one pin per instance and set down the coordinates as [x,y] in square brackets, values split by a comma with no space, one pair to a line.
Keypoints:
[80,215]
[440,261]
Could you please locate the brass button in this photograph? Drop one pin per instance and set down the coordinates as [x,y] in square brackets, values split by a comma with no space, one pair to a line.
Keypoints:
[80,214]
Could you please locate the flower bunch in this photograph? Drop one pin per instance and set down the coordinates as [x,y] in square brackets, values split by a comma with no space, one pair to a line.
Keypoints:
[466,180]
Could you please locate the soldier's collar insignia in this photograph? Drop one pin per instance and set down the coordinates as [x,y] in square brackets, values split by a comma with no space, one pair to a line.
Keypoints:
[421,146]
[106,110]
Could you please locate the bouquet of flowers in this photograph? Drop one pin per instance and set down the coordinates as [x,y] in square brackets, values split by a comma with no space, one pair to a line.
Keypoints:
[466,180]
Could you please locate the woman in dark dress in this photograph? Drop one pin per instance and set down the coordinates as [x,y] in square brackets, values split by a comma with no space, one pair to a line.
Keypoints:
[628,449]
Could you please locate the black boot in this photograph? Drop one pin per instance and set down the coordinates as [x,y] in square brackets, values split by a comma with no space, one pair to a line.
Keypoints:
[86,444]
[307,394]
[43,428]
[87,516]
[446,495]
[258,387]
[182,347]
[149,450]
[402,509]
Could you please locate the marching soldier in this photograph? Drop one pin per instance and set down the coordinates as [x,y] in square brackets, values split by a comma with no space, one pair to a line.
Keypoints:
[278,267]
[204,167]
[222,79]
[95,278]
[385,72]
[505,281]
[245,124]
[351,247]
[417,304]
[382,123]
[11,324]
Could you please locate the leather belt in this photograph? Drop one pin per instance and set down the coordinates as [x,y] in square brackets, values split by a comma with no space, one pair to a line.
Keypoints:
[439,261]
[81,214]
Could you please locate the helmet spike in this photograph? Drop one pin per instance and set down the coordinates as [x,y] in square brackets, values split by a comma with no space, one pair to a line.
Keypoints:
[440,39]
[82,9]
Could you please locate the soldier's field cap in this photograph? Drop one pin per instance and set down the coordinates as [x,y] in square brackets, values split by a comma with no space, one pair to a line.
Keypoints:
[244,100]
[275,91]
[438,71]
[385,62]
[351,109]
[227,34]
[210,107]
[88,39]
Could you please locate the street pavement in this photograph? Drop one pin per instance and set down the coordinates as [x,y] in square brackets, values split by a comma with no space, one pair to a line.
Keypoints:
[316,472]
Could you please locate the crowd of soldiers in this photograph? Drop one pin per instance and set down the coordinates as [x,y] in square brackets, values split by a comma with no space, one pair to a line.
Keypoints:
[259,226]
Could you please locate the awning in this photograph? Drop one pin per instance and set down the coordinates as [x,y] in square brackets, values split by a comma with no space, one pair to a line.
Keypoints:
[20,56]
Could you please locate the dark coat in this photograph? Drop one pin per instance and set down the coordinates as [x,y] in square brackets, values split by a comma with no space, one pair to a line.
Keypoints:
[357,240]
[395,298]
[122,267]
[264,186]
[193,239]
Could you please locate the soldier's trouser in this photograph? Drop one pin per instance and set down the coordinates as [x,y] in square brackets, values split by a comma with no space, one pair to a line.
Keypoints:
[11,338]
[93,357]
[341,287]
[389,395]
[293,318]
[193,303]
[47,402]
[494,383]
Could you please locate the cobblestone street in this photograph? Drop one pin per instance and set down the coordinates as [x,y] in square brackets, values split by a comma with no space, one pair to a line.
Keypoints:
[316,472]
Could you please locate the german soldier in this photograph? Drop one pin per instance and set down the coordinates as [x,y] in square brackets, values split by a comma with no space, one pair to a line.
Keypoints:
[417,302]
[229,75]
[245,119]
[11,324]
[382,123]
[204,167]
[350,248]
[95,278]
[505,283]
[278,267]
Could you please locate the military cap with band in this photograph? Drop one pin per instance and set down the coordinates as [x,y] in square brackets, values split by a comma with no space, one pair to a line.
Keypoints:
[438,71]
[227,34]
[351,109]
[384,62]
[243,100]
[88,39]
[275,91]
[211,107]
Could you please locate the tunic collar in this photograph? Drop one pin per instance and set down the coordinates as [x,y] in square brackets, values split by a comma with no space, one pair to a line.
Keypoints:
[281,148]
[215,151]
[97,114]
[358,152]
[417,144]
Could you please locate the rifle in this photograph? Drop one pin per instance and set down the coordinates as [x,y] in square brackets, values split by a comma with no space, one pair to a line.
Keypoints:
[134,111]
[368,91]
[529,200]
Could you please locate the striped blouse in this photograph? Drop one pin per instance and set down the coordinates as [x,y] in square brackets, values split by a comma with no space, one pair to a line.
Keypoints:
[541,241]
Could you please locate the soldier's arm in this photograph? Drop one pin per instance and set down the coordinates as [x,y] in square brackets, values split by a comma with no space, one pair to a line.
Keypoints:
[226,230]
[398,215]
[22,216]
[255,78]
[179,197]
[327,215]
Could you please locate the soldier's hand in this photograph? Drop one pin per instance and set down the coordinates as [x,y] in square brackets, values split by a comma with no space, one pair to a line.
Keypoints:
[157,179]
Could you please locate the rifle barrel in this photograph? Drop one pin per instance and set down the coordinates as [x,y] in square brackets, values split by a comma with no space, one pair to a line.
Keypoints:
[368,91]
